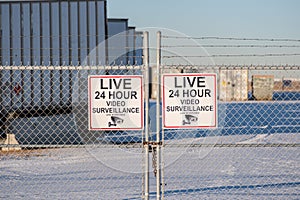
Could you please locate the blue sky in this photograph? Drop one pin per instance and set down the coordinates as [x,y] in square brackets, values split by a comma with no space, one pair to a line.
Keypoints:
[223,18]
[250,18]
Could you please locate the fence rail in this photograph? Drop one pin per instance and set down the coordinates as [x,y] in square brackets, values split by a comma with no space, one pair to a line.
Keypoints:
[253,152]
[258,121]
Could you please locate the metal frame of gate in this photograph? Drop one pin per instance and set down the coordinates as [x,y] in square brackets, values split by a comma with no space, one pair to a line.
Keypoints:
[153,146]
[159,144]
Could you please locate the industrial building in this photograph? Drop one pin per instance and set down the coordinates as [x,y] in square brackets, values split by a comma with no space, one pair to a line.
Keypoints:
[56,36]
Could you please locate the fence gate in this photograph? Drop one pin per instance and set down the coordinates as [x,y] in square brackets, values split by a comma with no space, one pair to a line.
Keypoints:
[220,131]
[226,131]
[74,132]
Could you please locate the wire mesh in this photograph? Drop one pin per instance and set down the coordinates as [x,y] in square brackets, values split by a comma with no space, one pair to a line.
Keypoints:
[254,151]
[211,50]
[47,150]
[257,134]
[48,49]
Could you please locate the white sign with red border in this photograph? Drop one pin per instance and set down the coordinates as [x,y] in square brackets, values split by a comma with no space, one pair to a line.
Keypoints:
[189,100]
[116,102]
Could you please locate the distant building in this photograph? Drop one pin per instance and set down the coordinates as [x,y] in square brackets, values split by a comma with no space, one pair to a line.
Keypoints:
[124,43]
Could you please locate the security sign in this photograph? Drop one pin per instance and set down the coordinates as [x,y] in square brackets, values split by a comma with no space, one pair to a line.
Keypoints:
[189,100]
[115,102]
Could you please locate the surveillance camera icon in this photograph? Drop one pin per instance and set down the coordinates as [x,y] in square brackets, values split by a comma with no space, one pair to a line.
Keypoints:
[189,119]
[115,121]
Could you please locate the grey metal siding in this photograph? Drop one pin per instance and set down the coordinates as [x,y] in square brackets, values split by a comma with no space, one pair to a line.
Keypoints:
[52,32]
[117,41]
[44,33]
[139,48]
[131,46]
[5,36]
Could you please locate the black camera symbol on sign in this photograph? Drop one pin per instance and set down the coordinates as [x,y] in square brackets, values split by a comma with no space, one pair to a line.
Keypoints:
[115,121]
[189,119]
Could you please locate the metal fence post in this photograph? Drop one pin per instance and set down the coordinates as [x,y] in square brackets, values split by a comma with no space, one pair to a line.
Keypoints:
[158,62]
[146,144]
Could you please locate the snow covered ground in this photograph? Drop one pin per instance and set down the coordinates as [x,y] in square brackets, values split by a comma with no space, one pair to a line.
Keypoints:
[191,172]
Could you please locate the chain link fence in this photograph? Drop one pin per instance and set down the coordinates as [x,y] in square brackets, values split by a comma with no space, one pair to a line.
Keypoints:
[48,50]
[48,150]
[253,153]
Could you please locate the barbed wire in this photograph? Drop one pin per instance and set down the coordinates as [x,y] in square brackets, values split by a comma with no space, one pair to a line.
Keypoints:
[232,38]
[233,55]
[231,46]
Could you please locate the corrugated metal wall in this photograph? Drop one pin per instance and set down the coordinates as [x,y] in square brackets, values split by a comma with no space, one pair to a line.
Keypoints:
[52,32]
[139,47]
[43,33]
[131,45]
[117,41]
[125,44]
[58,33]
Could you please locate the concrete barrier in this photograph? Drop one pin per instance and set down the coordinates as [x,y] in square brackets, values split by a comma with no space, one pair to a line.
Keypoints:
[10,143]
